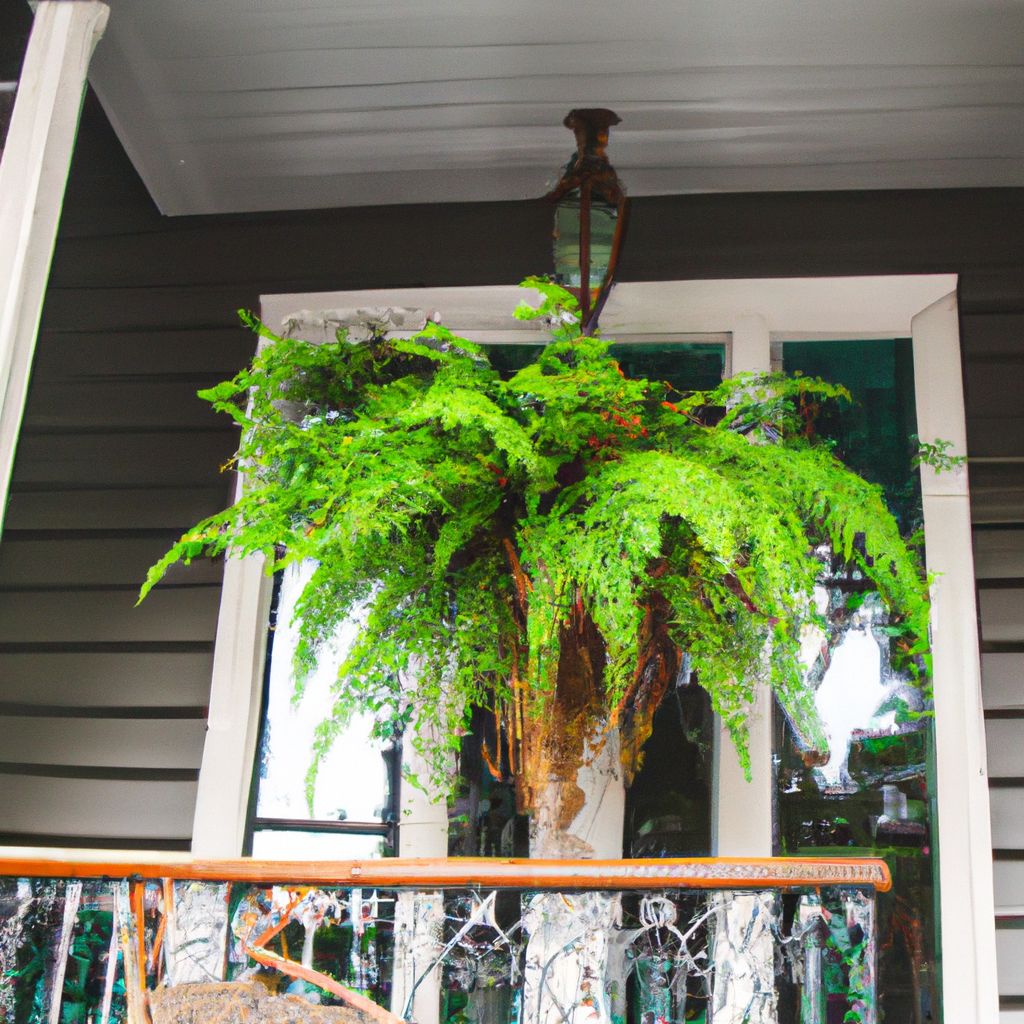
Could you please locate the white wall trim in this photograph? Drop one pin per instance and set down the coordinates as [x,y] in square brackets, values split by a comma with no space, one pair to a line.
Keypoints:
[793,308]
[970,989]
[236,690]
[33,175]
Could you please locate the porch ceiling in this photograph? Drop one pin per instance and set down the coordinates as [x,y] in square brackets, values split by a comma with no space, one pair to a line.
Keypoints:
[285,104]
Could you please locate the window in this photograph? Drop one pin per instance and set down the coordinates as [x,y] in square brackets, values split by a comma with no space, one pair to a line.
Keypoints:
[353,811]
[751,314]
[876,793]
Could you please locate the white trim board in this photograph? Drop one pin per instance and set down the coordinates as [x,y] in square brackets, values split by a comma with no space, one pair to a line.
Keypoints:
[792,308]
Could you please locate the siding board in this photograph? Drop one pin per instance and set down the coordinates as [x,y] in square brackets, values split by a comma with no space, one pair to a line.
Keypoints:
[1005,750]
[999,436]
[999,554]
[133,405]
[100,679]
[1002,681]
[985,390]
[1010,953]
[60,506]
[172,614]
[1002,615]
[111,560]
[139,309]
[108,743]
[997,492]
[1007,819]
[189,459]
[1009,883]
[124,355]
[91,807]
[992,334]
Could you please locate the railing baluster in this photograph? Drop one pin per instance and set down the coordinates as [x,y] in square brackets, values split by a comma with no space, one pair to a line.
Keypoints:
[813,935]
[860,921]
[744,959]
[416,982]
[110,976]
[134,966]
[55,986]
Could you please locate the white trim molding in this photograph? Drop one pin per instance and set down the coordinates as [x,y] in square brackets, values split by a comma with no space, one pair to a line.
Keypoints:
[33,175]
[970,989]
[233,723]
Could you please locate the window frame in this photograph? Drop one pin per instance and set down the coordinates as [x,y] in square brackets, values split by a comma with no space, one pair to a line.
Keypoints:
[751,314]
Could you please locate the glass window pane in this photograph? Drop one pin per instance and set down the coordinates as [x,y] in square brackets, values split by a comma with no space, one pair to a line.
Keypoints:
[687,366]
[271,844]
[873,792]
[352,783]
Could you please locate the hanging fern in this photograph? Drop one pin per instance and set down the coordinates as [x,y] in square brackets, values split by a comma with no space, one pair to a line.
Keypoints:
[481,525]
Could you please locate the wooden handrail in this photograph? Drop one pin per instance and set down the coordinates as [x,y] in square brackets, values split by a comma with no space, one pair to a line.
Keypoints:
[472,872]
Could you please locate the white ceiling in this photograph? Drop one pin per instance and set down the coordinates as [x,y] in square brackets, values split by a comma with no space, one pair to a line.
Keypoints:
[232,105]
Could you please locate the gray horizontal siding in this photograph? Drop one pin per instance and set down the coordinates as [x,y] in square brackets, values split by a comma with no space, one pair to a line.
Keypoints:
[151,811]
[59,505]
[1002,615]
[1009,883]
[104,616]
[1010,951]
[1002,681]
[1007,819]
[999,554]
[102,679]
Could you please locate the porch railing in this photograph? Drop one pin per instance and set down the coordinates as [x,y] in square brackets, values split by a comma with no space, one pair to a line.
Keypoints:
[96,939]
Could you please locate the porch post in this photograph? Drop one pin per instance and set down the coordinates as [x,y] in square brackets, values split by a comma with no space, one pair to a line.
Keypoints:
[969,984]
[33,175]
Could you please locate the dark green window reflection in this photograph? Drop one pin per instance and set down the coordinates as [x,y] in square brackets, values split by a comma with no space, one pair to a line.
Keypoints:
[686,366]
[872,793]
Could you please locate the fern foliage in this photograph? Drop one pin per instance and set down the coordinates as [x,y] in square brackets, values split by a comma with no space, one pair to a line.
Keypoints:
[471,520]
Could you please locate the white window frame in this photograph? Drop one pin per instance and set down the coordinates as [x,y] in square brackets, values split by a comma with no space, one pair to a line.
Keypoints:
[751,314]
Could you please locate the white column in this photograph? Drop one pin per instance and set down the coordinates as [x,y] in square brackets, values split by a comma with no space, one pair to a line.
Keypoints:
[741,810]
[969,985]
[33,175]
[419,940]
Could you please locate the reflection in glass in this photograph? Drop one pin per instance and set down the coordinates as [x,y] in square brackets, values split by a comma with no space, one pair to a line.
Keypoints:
[686,366]
[352,783]
[869,790]
[272,844]
[668,805]
[603,218]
